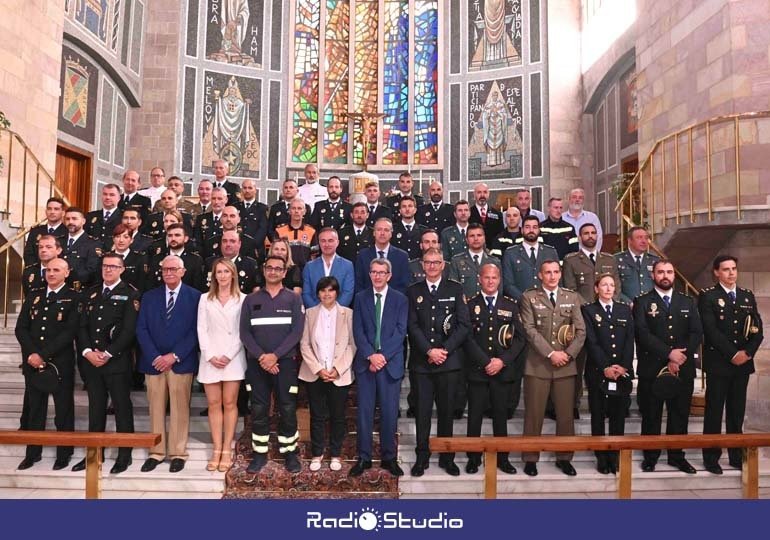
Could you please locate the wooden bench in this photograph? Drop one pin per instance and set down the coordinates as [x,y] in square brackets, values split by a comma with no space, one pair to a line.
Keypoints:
[625,444]
[94,443]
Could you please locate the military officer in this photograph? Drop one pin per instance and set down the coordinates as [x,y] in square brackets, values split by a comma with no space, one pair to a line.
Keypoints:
[356,236]
[494,357]
[168,202]
[105,343]
[438,326]
[522,262]
[131,198]
[635,265]
[46,329]
[249,273]
[555,332]
[406,230]
[464,267]
[135,263]
[99,223]
[405,186]
[33,277]
[279,212]
[453,238]
[436,214]
[232,189]
[54,225]
[132,220]
[668,334]
[176,244]
[253,213]
[176,185]
[732,331]
[332,212]
[80,250]
[230,222]
[209,224]
[376,209]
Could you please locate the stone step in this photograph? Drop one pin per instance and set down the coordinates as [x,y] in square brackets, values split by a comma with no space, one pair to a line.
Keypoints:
[53,493]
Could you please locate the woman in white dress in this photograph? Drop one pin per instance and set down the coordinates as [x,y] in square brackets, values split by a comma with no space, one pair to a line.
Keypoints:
[223,361]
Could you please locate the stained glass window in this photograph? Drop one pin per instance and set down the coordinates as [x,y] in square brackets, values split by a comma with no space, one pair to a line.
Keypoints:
[365,56]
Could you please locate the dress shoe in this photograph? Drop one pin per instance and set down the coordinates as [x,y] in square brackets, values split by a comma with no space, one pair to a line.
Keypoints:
[576,414]
[648,465]
[111,410]
[550,414]
[451,468]
[506,466]
[150,464]
[120,466]
[682,465]
[291,462]
[714,468]
[459,415]
[392,466]
[177,464]
[472,467]
[530,468]
[418,469]
[736,464]
[61,463]
[612,466]
[565,467]
[360,466]
[257,462]
[79,466]
[26,463]
[603,468]
[410,413]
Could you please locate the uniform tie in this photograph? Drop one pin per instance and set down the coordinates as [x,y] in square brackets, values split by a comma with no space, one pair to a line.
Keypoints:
[609,311]
[216,221]
[593,258]
[476,260]
[532,256]
[731,295]
[107,215]
[667,301]
[553,299]
[371,209]
[247,205]
[638,260]
[51,297]
[435,208]
[126,200]
[170,305]
[463,231]
[50,230]
[70,242]
[433,289]
[377,320]
[106,293]
[408,228]
[490,303]
[358,234]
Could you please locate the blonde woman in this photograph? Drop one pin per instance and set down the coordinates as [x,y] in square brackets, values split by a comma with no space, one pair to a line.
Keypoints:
[293,279]
[222,361]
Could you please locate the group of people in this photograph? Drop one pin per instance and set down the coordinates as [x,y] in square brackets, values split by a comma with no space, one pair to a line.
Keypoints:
[473,302]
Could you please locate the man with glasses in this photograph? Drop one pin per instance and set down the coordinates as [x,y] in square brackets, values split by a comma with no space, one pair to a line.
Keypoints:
[272,321]
[383,249]
[105,342]
[157,185]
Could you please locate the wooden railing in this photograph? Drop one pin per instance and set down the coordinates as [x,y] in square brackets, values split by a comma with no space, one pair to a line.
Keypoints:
[625,444]
[94,443]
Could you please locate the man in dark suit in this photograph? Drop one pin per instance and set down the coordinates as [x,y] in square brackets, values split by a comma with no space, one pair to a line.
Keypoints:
[46,329]
[356,236]
[332,212]
[557,232]
[154,226]
[436,214]
[405,186]
[668,334]
[383,249]
[253,214]
[494,358]
[279,211]
[130,197]
[80,250]
[167,331]
[33,277]
[732,329]
[230,221]
[482,212]
[379,324]
[376,209]
[406,230]
[99,223]
[221,168]
[133,222]
[54,214]
[522,262]
[204,199]
[438,326]
[209,224]
[105,341]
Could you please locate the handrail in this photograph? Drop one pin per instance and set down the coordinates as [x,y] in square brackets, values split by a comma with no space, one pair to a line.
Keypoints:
[93,442]
[490,446]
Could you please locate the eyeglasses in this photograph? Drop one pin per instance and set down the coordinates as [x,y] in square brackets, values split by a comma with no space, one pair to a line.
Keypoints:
[274,269]
[112,267]
[432,263]
[378,273]
[169,270]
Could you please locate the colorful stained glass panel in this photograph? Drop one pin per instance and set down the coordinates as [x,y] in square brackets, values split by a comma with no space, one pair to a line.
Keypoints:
[395,124]
[336,80]
[426,82]
[307,23]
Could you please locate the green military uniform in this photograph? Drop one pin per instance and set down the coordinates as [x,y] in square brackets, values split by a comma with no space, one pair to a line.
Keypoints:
[635,276]
[463,269]
[453,242]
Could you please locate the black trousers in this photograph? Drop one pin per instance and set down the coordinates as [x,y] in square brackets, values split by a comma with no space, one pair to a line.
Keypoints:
[327,402]
[601,405]
[480,394]
[440,388]
[118,387]
[678,410]
[728,394]
[64,418]
[263,384]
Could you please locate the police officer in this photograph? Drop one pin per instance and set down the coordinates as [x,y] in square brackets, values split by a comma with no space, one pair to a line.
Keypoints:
[494,357]
[271,327]
[435,213]
[253,214]
[132,220]
[230,222]
[522,262]
[405,185]
[131,198]
[332,212]
[249,274]
[105,343]
[668,334]
[464,267]
[376,209]
[176,244]
[33,277]
[135,265]
[99,223]
[453,238]
[438,325]
[279,211]
[635,265]
[406,230]
[209,224]
[732,331]
[46,329]
[54,225]
[154,225]
[80,250]
[356,236]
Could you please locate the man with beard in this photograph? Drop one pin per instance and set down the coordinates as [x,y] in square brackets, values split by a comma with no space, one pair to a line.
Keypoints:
[356,236]
[176,244]
[521,263]
[453,237]
[481,212]
[54,225]
[332,212]
[577,216]
[311,191]
[80,250]
[436,214]
[376,209]
[405,185]
[668,334]
[406,230]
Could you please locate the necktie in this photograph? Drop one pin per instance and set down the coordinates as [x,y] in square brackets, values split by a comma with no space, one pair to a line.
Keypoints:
[51,297]
[667,301]
[42,272]
[377,320]
[433,289]
[333,206]
[247,205]
[435,208]
[70,242]
[639,261]
[381,254]
[553,300]
[203,208]
[408,228]
[216,221]
[532,256]
[483,214]
[50,230]
[731,294]
[358,234]
[490,303]
[126,200]
[170,305]
[593,258]
[476,260]
[371,209]
[463,231]
[106,293]
[107,215]
[609,311]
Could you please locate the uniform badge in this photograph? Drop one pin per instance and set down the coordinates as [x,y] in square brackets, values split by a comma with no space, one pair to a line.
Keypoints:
[98,252]
[94,219]
[31,278]
[721,302]
[278,213]
[323,210]
[155,223]
[427,214]
[346,238]
[203,222]
[36,300]
[419,299]
[215,246]
[60,316]
[94,295]
[582,279]
[653,310]
[398,235]
[649,268]
[598,318]
[242,273]
[477,310]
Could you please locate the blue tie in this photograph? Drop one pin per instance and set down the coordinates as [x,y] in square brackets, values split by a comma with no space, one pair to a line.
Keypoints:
[731,294]
[490,303]
[377,321]
[170,305]
[667,301]
[381,254]
[609,311]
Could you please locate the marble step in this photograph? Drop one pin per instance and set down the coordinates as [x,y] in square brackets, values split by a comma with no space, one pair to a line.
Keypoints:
[141,423]
[13,395]
[53,493]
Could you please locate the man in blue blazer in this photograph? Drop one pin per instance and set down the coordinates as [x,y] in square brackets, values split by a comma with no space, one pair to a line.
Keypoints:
[379,324]
[339,267]
[383,249]
[168,338]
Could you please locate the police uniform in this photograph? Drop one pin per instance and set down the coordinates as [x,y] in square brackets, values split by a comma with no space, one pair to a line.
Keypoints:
[635,278]
[193,264]
[351,243]
[233,190]
[108,324]
[139,242]
[658,331]
[331,214]
[30,246]
[182,204]
[493,223]
[394,203]
[545,325]
[559,234]
[206,226]
[213,246]
[100,229]
[249,274]
[417,274]
[495,333]
[503,241]
[47,325]
[83,257]
[137,269]
[33,278]
[436,216]
[436,320]
[153,227]
[465,271]
[136,201]
[380,211]
[729,326]
[453,242]
[254,220]
[409,240]
[272,325]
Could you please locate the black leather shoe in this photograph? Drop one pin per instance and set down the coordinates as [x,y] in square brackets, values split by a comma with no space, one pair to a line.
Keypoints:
[410,413]
[613,467]
[61,463]
[530,468]
[177,464]
[257,462]
[150,464]
[79,466]
[736,465]
[26,463]
[576,414]
[506,466]
[120,466]
[472,467]
[451,468]
[682,465]
[714,468]
[418,469]
[550,414]
[392,466]
[291,463]
[459,415]
[565,467]
[603,467]
[648,465]
[360,466]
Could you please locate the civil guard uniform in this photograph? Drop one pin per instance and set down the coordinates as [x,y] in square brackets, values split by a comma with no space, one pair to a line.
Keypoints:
[635,274]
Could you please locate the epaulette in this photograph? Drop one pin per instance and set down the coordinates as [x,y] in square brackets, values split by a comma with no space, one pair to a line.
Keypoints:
[30,266]
[507,297]
[131,287]
[454,281]
[571,255]
[458,255]
[474,296]
[566,289]
[532,288]
[707,289]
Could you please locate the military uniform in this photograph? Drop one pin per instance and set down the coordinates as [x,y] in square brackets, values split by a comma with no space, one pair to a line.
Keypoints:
[213,246]
[436,217]
[503,241]
[153,227]
[409,241]
[380,211]
[351,243]
[206,226]
[559,234]
[635,279]
[193,263]
[182,204]
[30,246]
[658,331]
[83,257]
[453,242]
[465,271]
[249,274]
[394,203]
[108,324]
[137,202]
[729,326]
[33,278]
[254,221]
[331,214]
[137,270]
[545,325]
[47,325]
[97,228]
[519,272]
[233,190]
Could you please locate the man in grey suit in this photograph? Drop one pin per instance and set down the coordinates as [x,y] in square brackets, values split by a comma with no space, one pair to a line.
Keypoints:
[521,263]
